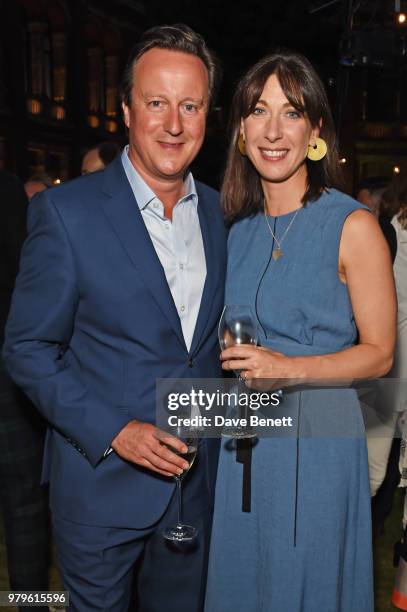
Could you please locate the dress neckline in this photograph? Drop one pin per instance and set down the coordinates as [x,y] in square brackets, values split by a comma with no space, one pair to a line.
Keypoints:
[285,215]
[303,206]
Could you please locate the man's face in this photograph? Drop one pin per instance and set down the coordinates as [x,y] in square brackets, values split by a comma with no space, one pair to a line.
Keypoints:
[364,196]
[33,187]
[167,114]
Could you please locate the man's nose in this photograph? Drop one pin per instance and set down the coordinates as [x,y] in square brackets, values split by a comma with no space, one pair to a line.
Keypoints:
[173,122]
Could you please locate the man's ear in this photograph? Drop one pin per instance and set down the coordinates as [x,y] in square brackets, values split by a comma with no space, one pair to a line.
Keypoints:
[126,114]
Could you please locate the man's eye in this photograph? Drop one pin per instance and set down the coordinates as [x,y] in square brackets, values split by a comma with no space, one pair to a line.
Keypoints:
[155,103]
[190,108]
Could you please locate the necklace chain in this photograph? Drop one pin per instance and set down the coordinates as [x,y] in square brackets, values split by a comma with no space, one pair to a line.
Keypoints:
[277,253]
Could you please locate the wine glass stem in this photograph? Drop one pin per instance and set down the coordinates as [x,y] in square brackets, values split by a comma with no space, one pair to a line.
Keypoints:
[243,410]
[179,497]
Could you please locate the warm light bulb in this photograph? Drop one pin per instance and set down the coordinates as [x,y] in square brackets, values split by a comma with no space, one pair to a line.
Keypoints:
[396,169]
[342,160]
[401,17]
[57,181]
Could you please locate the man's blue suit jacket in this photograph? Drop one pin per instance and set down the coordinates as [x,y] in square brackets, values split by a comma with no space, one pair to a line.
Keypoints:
[92,326]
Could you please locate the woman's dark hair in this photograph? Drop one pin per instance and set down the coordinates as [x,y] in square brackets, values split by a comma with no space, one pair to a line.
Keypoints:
[241,193]
[394,200]
[178,37]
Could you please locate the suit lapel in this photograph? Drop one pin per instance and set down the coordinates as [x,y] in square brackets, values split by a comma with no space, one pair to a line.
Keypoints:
[212,272]
[125,217]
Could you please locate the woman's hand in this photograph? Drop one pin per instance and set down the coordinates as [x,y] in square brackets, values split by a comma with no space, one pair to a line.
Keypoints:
[256,362]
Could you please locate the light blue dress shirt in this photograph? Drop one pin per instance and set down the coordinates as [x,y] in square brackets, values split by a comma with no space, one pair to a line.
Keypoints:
[178,244]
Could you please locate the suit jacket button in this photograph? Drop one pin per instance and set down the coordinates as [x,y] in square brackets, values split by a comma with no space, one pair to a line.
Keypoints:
[191,362]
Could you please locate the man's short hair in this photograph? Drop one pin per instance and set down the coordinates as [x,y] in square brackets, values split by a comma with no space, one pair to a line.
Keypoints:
[373,183]
[40,177]
[178,37]
[108,150]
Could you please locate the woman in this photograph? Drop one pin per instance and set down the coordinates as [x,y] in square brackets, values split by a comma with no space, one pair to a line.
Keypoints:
[314,266]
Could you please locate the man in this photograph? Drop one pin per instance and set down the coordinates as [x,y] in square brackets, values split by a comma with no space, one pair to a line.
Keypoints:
[369,193]
[22,498]
[121,283]
[36,184]
[99,157]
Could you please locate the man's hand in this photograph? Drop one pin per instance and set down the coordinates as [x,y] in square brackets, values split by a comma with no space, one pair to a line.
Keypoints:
[147,446]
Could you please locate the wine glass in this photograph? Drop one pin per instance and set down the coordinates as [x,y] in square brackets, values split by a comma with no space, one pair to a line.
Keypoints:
[237,325]
[181,532]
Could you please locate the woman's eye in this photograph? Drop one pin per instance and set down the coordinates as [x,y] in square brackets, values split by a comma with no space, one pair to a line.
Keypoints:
[293,114]
[258,110]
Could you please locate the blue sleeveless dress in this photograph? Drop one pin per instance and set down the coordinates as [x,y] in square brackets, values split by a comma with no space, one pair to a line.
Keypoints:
[305,546]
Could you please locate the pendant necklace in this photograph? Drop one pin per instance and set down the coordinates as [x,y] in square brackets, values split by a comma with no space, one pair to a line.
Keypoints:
[277,253]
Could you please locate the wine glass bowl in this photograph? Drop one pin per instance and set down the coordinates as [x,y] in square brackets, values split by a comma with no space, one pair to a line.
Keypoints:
[237,326]
[189,456]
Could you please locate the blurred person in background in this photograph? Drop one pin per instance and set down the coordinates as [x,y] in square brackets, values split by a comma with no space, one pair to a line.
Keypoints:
[380,417]
[394,205]
[36,184]
[100,156]
[369,193]
[22,497]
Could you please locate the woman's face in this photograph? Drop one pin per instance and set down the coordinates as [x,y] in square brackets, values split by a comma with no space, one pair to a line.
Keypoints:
[277,136]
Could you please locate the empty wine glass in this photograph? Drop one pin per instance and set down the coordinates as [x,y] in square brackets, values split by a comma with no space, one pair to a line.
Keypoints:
[237,325]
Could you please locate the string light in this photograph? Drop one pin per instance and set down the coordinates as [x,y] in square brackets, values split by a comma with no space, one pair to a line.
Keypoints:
[396,169]
[343,160]
[401,18]
[57,181]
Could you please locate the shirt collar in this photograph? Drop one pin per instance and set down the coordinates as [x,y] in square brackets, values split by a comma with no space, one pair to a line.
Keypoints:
[144,194]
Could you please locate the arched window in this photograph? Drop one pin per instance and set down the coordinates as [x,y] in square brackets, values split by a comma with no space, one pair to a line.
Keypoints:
[95,73]
[112,52]
[103,51]
[58,45]
[46,25]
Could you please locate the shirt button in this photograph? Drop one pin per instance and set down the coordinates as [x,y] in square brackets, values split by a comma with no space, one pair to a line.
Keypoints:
[155,205]
[181,266]
[182,308]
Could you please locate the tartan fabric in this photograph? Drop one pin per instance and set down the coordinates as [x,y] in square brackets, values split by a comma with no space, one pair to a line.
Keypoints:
[23,499]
